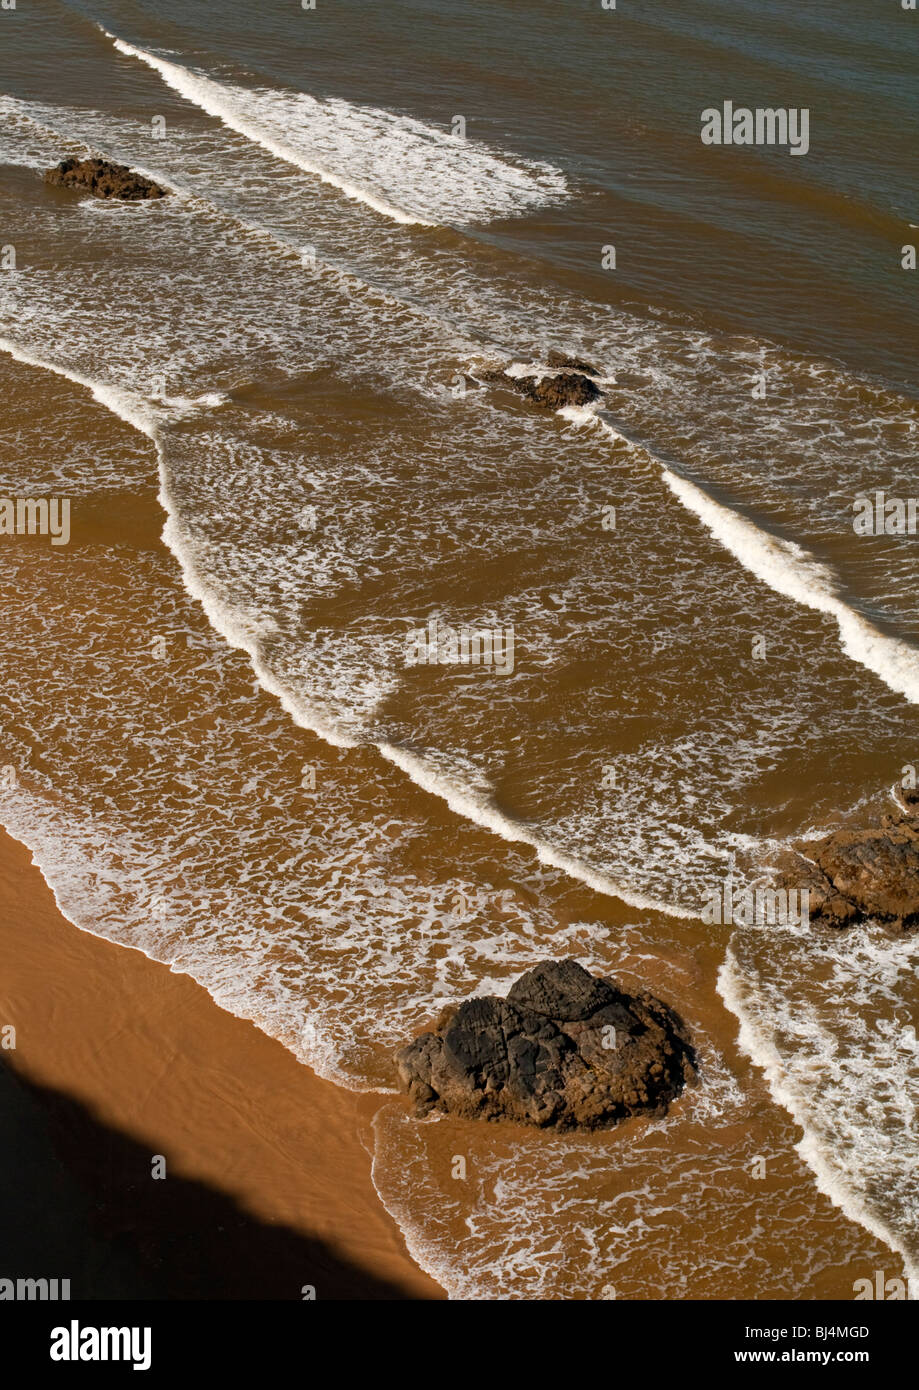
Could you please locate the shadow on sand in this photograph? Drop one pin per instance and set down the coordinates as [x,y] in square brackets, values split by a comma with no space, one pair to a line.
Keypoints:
[77,1201]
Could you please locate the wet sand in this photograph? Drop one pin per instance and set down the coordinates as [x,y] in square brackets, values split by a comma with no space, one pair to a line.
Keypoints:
[117,1060]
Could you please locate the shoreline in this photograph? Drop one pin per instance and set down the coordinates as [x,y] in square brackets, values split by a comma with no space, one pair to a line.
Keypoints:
[122,1068]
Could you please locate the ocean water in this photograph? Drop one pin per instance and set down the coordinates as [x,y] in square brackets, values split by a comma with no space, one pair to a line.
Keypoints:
[254,394]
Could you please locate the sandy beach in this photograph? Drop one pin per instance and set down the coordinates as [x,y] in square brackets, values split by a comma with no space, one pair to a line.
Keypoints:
[118,1060]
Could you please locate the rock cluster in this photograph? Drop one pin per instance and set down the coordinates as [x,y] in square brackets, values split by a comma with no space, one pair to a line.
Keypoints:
[565,1048]
[104,180]
[855,874]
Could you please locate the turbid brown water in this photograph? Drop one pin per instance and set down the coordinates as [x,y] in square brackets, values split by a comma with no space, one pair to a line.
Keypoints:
[219,749]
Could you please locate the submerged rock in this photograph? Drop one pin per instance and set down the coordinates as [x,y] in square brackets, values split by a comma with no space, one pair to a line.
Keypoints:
[565,1048]
[574,364]
[553,391]
[104,180]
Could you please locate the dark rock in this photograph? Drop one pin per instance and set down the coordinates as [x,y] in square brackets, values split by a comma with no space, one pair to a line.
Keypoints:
[873,873]
[825,903]
[104,180]
[562,990]
[553,392]
[565,1048]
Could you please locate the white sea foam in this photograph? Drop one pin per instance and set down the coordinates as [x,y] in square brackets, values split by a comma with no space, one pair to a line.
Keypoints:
[246,635]
[127,405]
[465,794]
[465,799]
[400,167]
[142,416]
[140,412]
[789,570]
[835,1073]
[475,804]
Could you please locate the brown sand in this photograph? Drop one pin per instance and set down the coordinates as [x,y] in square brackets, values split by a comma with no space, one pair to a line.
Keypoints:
[118,1060]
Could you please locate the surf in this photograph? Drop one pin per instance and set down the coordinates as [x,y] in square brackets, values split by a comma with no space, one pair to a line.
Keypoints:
[786,567]
[839,1169]
[443,178]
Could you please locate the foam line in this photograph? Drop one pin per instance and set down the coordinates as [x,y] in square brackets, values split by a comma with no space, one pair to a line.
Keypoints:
[216,101]
[476,806]
[411,172]
[788,569]
[759,1046]
[128,407]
